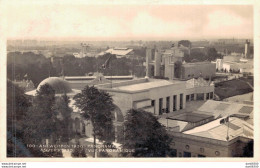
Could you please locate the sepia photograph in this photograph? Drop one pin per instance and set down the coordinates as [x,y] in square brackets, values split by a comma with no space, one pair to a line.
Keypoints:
[129,81]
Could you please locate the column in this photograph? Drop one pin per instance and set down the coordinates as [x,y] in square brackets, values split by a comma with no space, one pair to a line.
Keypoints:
[156,107]
[205,96]
[177,102]
[171,104]
[195,96]
[148,60]
[157,65]
[183,101]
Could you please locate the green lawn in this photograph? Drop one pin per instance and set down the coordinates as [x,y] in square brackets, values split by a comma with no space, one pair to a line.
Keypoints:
[233,87]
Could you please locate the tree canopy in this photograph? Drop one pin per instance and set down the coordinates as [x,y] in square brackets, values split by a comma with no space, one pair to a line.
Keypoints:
[17,106]
[64,122]
[97,106]
[36,67]
[248,150]
[40,121]
[185,43]
[145,135]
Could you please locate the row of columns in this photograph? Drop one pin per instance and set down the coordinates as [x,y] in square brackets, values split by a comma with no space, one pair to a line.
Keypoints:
[171,103]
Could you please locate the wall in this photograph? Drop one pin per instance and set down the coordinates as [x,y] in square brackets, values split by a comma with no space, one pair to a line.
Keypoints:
[205,70]
[169,68]
[208,147]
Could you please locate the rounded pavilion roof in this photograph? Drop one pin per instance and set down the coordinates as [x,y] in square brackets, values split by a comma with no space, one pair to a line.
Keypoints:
[58,84]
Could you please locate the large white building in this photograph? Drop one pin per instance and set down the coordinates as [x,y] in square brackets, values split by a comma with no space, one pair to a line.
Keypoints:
[153,95]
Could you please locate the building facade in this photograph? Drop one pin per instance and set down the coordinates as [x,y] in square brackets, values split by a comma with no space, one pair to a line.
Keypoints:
[169,64]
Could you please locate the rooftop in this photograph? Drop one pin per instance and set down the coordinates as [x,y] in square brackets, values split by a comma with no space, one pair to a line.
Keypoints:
[196,64]
[119,51]
[190,117]
[218,131]
[145,86]
[58,84]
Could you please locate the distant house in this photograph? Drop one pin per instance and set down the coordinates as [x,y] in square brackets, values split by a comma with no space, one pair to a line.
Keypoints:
[119,52]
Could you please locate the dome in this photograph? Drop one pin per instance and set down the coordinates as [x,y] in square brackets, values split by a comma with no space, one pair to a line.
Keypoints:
[58,84]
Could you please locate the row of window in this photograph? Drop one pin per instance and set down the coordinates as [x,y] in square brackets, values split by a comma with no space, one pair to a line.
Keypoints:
[187,153]
[173,153]
[200,96]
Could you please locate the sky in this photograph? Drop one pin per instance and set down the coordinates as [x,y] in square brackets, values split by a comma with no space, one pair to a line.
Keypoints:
[129,21]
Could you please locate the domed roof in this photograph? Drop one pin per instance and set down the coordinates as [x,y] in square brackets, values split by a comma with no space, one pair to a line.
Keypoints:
[58,84]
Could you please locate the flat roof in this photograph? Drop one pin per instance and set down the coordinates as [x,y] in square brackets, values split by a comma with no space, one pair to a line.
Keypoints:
[196,63]
[190,117]
[144,86]
[94,77]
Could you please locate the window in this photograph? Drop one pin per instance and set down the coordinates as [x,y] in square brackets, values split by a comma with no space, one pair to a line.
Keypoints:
[186,154]
[201,155]
[187,97]
[207,96]
[173,153]
[211,95]
[153,103]
[160,106]
[174,102]
[200,96]
[180,154]
[192,97]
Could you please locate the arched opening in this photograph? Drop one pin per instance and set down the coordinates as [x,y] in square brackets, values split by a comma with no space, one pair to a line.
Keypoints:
[77,126]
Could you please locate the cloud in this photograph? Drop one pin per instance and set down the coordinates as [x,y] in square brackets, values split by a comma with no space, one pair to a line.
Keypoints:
[137,21]
[145,24]
[224,23]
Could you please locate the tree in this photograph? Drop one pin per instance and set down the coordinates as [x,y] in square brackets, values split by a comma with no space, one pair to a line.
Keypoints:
[17,106]
[248,150]
[40,120]
[145,135]
[213,54]
[65,121]
[78,151]
[185,43]
[97,106]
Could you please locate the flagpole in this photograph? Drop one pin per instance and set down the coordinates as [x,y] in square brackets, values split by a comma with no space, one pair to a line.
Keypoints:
[227,128]
[111,79]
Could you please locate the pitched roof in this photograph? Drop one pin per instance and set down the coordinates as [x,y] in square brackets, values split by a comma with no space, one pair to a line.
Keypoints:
[215,130]
[222,109]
